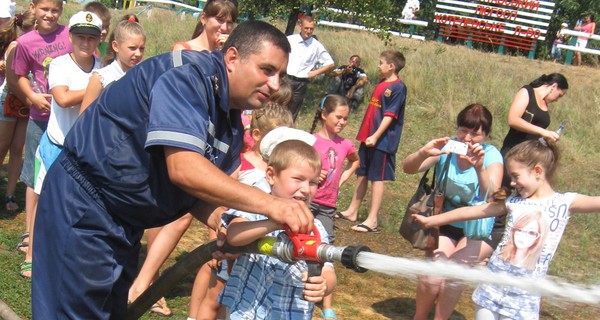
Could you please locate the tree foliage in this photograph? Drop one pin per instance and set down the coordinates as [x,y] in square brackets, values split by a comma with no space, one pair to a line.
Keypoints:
[383,14]
[376,14]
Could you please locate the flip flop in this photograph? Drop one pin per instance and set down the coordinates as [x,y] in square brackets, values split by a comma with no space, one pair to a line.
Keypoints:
[160,308]
[366,228]
[11,203]
[339,215]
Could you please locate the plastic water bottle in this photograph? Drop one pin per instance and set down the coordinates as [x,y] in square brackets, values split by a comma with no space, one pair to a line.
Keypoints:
[559,131]
[35,86]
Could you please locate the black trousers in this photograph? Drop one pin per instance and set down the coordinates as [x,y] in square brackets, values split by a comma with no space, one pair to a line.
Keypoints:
[298,91]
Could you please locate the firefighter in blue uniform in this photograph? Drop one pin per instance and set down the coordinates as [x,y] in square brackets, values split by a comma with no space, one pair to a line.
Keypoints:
[156,144]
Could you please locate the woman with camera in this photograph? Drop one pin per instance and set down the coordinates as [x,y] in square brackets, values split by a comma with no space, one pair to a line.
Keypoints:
[472,175]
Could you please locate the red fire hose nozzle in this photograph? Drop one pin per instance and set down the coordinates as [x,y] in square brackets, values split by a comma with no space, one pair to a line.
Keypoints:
[290,247]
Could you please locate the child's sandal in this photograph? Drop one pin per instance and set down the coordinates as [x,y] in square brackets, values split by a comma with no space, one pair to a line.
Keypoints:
[25,269]
[23,245]
[11,203]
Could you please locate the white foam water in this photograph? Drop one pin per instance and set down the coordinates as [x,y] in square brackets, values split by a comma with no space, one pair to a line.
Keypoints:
[556,289]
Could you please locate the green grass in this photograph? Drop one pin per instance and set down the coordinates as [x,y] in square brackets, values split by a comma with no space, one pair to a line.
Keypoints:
[441,80]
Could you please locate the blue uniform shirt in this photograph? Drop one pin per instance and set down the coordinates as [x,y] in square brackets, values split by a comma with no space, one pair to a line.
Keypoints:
[174,99]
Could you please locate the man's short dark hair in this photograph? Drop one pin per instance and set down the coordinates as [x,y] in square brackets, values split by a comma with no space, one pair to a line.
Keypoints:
[306,18]
[249,36]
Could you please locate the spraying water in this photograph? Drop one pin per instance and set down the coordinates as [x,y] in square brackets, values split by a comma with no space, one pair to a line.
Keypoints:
[555,290]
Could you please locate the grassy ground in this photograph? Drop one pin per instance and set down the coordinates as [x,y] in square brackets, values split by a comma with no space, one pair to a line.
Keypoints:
[441,80]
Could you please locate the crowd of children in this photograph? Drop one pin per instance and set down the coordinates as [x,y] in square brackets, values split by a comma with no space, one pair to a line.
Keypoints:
[59,60]
[77,64]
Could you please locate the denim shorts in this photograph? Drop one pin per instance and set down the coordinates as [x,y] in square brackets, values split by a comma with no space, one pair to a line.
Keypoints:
[35,129]
[2,98]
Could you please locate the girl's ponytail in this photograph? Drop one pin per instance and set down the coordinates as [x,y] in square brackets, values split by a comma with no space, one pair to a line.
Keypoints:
[318,114]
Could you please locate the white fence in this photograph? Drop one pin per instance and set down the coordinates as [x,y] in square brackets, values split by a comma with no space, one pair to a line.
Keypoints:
[573,47]
[175,3]
[411,23]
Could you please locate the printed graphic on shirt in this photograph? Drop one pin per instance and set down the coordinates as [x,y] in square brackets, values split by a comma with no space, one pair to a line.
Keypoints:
[332,158]
[46,65]
[51,50]
[533,231]
[525,241]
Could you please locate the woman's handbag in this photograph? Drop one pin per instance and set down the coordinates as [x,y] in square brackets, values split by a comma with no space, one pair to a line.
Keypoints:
[427,201]
[479,229]
[15,108]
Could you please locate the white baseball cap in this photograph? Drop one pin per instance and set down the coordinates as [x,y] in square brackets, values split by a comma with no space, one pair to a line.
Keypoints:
[281,134]
[7,9]
[564,25]
[85,22]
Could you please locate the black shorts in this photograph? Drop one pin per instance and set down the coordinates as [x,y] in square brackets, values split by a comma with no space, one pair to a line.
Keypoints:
[456,234]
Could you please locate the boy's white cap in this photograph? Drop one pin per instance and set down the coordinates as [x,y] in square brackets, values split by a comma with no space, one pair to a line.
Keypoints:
[85,22]
[281,134]
[564,24]
[7,9]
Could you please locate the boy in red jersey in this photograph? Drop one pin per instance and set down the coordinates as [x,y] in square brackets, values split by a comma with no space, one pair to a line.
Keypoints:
[379,135]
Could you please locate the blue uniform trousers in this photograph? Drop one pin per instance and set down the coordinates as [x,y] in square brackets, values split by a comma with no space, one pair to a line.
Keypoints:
[80,249]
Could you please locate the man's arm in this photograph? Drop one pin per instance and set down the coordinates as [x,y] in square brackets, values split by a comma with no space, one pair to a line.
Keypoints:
[321,70]
[199,177]
[359,83]
[337,71]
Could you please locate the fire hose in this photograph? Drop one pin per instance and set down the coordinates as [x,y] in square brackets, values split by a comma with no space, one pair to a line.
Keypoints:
[287,247]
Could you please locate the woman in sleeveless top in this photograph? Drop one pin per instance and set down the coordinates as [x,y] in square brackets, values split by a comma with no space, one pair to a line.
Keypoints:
[214,25]
[528,115]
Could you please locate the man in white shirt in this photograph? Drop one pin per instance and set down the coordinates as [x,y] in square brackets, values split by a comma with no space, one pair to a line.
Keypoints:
[306,53]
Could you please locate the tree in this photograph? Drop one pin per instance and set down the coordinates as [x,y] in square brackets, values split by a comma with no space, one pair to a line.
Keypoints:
[370,13]
[570,11]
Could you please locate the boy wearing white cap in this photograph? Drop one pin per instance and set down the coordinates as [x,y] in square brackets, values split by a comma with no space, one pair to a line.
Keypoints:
[68,77]
[560,39]
[7,11]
